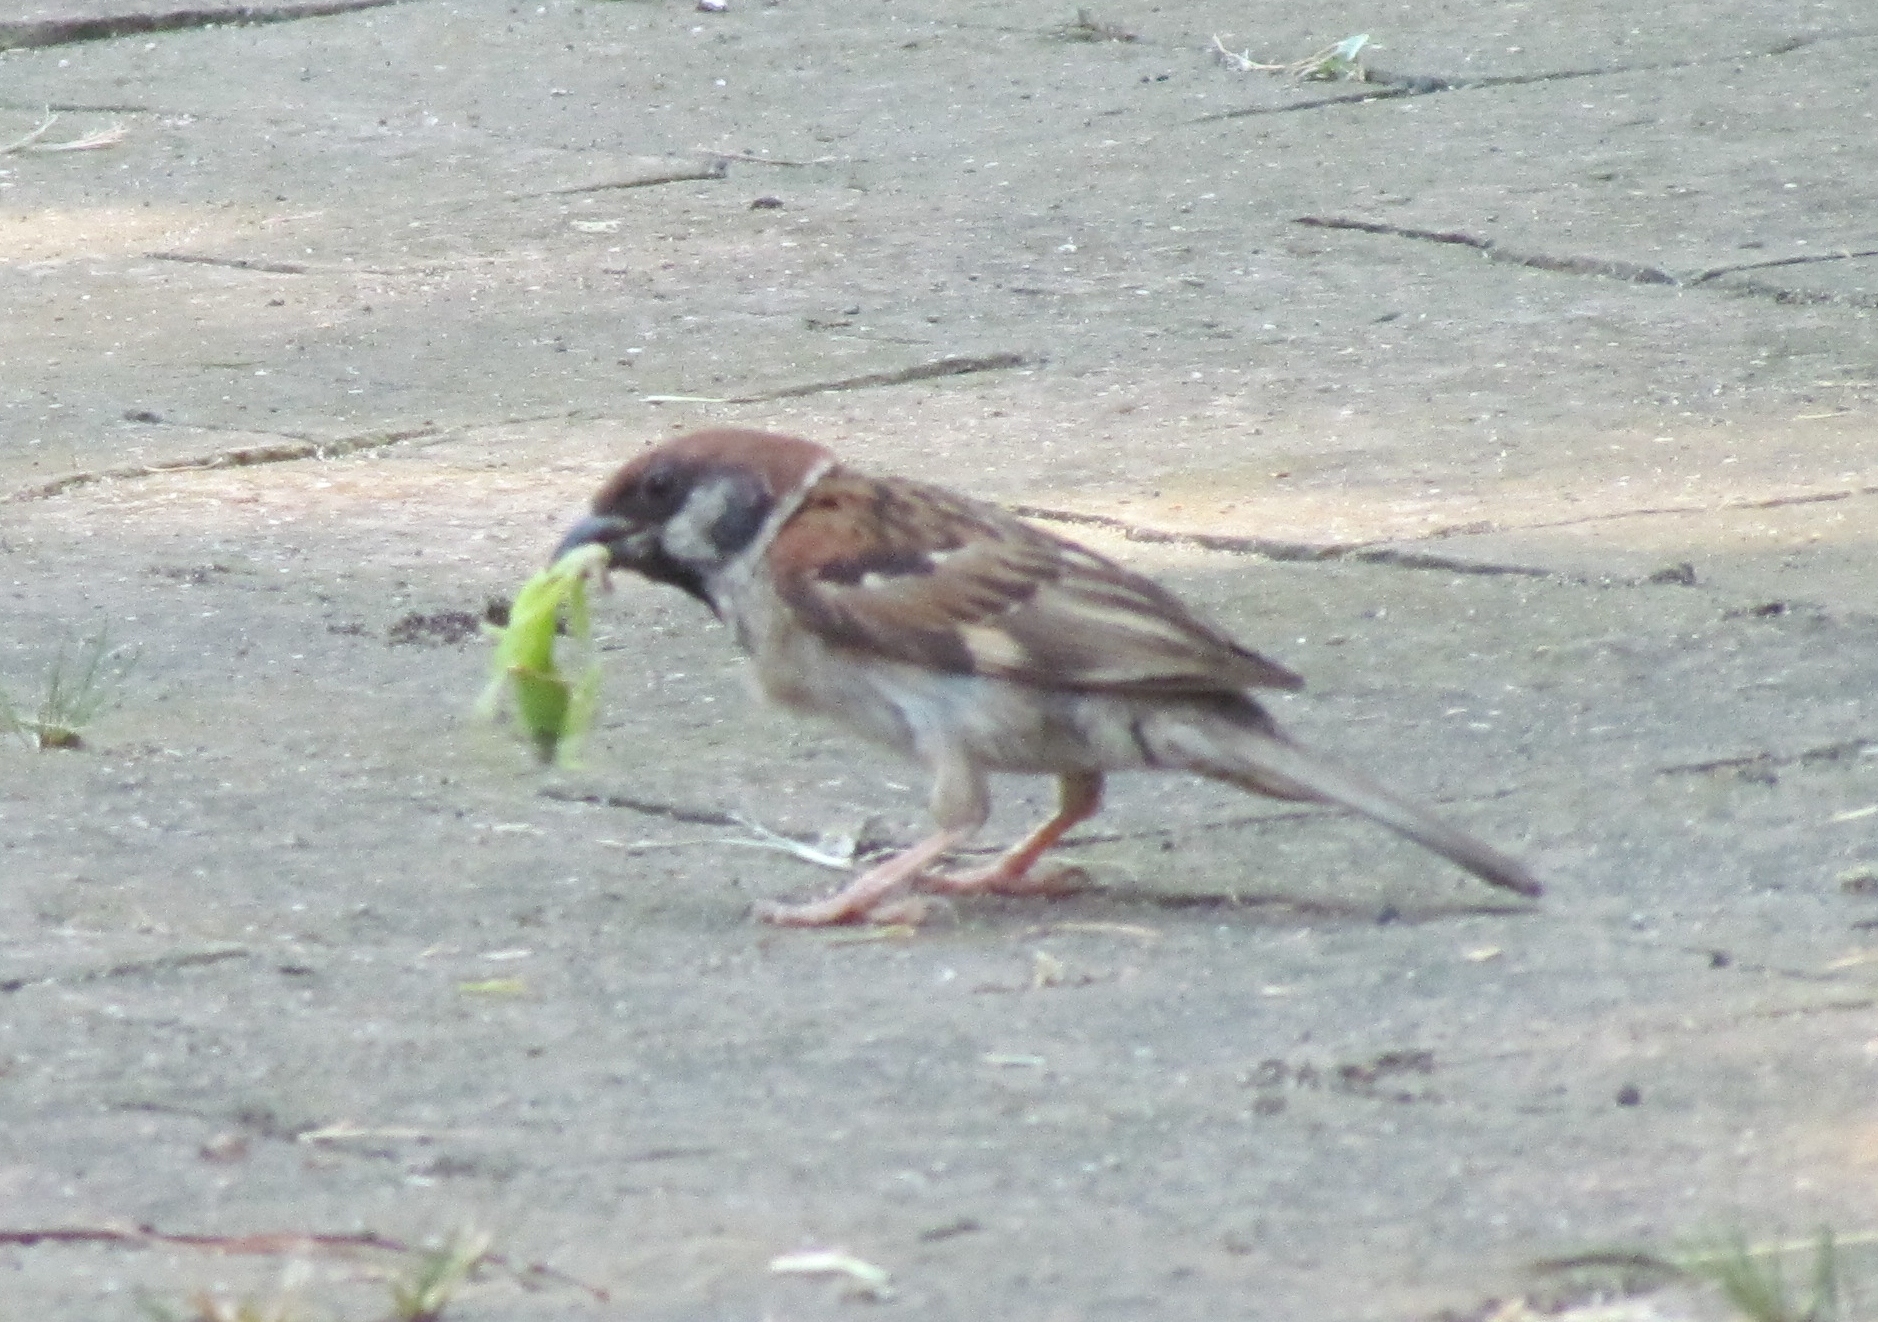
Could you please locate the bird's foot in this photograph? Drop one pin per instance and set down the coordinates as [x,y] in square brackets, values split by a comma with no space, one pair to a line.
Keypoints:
[877,895]
[1000,880]
[839,911]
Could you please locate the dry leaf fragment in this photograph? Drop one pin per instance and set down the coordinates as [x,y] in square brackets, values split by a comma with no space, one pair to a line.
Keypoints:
[884,932]
[1861,880]
[494,987]
[105,137]
[1136,930]
[869,1280]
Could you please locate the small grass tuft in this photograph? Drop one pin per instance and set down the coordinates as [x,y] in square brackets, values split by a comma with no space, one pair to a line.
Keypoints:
[423,1293]
[208,1308]
[282,1306]
[428,1284]
[1751,1277]
[79,684]
[1088,27]
[1754,1283]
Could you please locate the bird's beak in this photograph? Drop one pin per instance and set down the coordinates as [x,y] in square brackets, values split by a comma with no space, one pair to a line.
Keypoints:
[597,530]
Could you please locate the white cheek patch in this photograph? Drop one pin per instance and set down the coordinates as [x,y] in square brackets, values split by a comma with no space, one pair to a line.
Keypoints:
[687,536]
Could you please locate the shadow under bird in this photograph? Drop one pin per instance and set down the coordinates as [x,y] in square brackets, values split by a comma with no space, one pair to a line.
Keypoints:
[961,636]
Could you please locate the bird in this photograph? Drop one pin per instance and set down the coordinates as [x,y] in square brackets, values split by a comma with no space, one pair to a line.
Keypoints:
[958,634]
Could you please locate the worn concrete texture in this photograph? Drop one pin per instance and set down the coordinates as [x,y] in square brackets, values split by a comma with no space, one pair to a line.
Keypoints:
[1523,399]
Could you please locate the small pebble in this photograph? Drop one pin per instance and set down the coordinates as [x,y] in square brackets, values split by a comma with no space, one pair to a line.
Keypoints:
[224,1147]
[1861,880]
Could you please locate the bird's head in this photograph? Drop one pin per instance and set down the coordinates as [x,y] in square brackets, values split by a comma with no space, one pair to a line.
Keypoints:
[684,510]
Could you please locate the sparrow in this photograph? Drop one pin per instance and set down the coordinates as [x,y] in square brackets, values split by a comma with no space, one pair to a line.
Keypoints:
[959,635]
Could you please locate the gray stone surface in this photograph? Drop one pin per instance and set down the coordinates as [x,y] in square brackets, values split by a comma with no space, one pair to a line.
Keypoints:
[293,946]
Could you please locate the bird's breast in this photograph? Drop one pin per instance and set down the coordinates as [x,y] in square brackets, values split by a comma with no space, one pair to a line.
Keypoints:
[995,723]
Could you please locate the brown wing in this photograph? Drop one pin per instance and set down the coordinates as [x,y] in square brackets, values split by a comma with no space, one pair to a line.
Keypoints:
[922,575]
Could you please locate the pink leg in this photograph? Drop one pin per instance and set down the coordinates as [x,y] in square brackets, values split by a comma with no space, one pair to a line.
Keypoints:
[1078,798]
[860,897]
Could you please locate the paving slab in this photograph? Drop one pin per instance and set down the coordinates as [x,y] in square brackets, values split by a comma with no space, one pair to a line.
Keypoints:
[1522,398]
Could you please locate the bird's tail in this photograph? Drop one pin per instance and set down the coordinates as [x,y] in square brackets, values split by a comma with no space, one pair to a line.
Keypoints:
[1260,758]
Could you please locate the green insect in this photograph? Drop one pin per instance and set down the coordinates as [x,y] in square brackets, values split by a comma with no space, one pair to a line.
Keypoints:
[554,710]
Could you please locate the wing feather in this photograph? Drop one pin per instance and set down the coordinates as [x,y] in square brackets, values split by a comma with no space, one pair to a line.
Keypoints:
[932,578]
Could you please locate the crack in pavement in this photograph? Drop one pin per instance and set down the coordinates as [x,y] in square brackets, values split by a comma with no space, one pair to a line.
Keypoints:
[279,1243]
[1394,87]
[1372,553]
[265,267]
[1807,260]
[1680,575]
[246,456]
[954,366]
[77,108]
[1484,526]
[298,446]
[1366,912]
[1387,86]
[1631,272]
[181,959]
[234,263]
[714,169]
[672,812]
[1272,549]
[717,169]
[1635,273]
[1835,752]
[1801,1011]
[23,34]
[1800,297]
[301,446]
[874,846]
